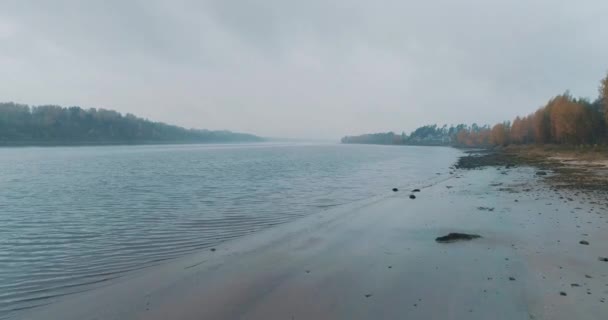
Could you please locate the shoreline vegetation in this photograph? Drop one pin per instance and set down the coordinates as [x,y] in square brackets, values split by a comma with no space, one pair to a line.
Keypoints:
[50,125]
[564,120]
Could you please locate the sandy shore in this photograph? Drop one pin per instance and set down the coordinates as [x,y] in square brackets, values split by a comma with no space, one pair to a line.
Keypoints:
[379,260]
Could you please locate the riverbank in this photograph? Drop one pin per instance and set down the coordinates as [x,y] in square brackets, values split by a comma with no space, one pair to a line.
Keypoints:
[583,168]
[540,256]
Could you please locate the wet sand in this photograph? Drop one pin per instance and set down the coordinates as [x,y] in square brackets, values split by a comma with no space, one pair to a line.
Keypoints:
[378,259]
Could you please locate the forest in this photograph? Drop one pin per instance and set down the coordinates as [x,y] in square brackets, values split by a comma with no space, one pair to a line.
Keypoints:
[428,135]
[54,125]
[563,120]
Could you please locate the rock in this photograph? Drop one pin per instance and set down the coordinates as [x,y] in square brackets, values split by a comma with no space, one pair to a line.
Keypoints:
[588,276]
[541,173]
[395,189]
[511,279]
[575,285]
[416,190]
[584,242]
[454,236]
[604,259]
[412,196]
[368,295]
[212,249]
[563,293]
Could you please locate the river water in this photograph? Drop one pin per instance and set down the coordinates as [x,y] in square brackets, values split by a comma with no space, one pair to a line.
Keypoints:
[74,217]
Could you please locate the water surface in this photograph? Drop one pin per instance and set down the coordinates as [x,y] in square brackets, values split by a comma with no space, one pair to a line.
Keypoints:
[74,217]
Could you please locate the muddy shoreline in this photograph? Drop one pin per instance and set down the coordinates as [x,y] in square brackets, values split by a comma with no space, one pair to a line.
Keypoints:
[561,169]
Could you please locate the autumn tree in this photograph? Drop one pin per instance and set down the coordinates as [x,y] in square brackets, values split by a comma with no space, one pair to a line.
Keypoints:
[517,131]
[570,121]
[604,97]
[541,126]
[499,136]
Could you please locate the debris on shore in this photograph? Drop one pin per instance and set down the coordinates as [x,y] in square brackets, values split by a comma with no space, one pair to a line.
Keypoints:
[395,189]
[412,196]
[455,236]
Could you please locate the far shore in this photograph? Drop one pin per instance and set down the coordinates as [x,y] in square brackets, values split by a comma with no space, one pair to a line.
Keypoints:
[111,143]
[542,254]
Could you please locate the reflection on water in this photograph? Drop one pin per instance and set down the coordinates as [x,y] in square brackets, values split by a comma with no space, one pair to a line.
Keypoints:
[74,217]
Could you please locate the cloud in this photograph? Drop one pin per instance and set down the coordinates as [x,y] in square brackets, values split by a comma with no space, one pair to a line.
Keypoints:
[303,68]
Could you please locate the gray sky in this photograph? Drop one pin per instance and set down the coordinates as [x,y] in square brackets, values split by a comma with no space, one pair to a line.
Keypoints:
[307,69]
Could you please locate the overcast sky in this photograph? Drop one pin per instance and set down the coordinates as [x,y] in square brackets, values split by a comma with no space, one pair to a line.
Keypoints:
[303,69]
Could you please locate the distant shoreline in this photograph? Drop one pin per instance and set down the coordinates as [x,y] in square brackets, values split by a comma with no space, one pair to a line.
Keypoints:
[115,143]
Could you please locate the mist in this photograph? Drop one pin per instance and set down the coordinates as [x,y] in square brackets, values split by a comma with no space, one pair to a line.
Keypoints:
[293,69]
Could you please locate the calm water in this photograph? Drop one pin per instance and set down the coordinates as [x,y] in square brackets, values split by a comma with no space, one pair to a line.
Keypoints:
[74,217]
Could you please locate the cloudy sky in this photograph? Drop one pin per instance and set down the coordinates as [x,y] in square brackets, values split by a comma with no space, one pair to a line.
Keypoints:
[303,69]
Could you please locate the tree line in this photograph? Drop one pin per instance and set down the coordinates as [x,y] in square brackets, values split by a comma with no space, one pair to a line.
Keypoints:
[428,135]
[564,119]
[21,124]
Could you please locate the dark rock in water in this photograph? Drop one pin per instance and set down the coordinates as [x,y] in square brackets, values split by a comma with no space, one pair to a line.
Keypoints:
[212,249]
[541,173]
[575,285]
[454,236]
[368,295]
[511,279]
[584,242]
[416,190]
[562,293]
[395,189]
[412,196]
[603,259]
[588,276]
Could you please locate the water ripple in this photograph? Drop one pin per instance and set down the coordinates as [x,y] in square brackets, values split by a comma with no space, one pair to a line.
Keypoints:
[75,218]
